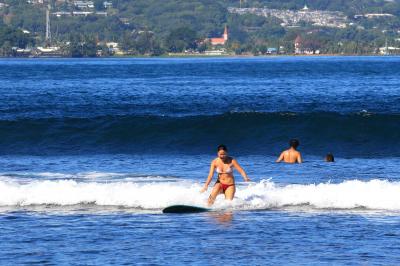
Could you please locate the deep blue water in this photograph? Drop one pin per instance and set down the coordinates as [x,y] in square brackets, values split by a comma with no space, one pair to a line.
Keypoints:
[92,150]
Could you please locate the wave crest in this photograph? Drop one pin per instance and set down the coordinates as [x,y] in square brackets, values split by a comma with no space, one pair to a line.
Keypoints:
[352,194]
[360,134]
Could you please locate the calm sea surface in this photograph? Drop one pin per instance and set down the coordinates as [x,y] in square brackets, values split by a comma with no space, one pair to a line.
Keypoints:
[91,151]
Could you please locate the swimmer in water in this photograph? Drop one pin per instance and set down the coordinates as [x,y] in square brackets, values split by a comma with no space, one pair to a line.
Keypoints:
[225,184]
[291,155]
[329,158]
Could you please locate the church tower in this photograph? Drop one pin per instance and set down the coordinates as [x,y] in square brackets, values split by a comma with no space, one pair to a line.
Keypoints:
[226,33]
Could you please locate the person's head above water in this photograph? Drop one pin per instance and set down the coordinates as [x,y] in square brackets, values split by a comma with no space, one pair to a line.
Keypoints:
[222,147]
[222,151]
[294,143]
[329,158]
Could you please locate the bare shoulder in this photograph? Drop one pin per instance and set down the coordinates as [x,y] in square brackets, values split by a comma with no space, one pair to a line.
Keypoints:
[235,163]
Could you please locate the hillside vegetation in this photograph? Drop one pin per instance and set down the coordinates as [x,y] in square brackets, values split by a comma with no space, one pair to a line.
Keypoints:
[156,27]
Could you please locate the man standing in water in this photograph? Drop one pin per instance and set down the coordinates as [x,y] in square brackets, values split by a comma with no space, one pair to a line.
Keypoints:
[291,155]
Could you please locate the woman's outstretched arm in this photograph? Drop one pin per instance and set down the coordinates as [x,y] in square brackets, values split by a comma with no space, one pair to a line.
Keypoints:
[209,178]
[240,170]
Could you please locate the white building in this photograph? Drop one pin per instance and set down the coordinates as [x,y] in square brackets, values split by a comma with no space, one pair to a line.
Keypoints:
[292,18]
[107,4]
[389,50]
[84,4]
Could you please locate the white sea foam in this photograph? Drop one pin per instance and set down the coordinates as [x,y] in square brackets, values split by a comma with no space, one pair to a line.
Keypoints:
[94,176]
[374,194]
[83,175]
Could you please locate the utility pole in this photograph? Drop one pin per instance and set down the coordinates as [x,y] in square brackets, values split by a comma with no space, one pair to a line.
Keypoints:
[386,47]
[48,31]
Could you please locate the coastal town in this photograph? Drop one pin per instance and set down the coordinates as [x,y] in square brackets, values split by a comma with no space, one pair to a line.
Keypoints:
[292,18]
[303,25]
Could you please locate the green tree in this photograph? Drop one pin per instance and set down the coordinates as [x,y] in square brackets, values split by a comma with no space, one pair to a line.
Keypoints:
[157,49]
[181,39]
[144,43]
[75,49]
[14,37]
[6,49]
[89,47]
[98,4]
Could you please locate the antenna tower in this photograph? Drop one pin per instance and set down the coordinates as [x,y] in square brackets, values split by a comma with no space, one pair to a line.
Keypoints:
[48,32]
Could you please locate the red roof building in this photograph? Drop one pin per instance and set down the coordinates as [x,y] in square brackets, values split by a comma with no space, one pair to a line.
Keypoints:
[222,40]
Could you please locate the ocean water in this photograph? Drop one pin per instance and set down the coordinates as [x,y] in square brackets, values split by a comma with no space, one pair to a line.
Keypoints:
[92,150]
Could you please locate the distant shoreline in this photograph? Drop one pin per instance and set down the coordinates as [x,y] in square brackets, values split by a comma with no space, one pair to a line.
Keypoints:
[202,56]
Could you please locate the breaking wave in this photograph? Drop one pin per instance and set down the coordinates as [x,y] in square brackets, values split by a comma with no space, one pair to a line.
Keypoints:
[352,194]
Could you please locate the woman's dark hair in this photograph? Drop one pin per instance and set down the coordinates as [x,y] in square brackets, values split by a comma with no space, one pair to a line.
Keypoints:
[294,143]
[222,147]
[329,158]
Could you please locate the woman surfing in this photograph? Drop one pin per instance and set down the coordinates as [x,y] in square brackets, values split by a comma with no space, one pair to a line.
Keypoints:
[225,184]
